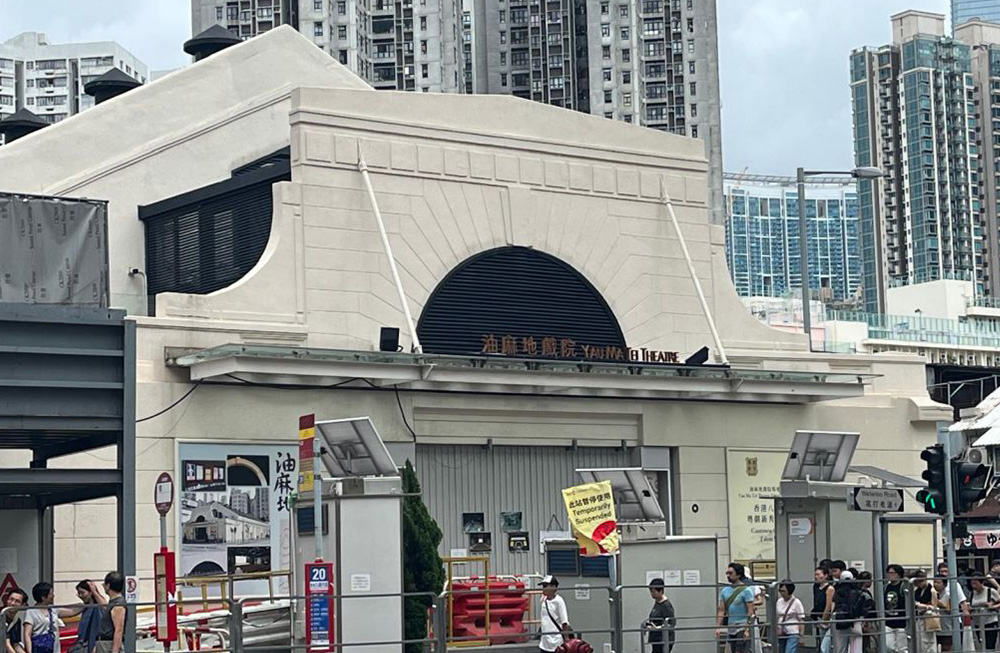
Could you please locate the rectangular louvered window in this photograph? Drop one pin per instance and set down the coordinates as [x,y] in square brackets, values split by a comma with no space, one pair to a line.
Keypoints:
[207,239]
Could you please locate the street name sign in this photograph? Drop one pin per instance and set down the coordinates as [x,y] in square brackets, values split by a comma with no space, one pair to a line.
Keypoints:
[876,499]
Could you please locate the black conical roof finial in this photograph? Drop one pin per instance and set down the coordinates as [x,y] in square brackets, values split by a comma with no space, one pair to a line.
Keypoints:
[212,40]
[21,123]
[109,85]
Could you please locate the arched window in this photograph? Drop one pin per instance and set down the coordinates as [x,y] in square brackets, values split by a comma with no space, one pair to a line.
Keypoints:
[522,297]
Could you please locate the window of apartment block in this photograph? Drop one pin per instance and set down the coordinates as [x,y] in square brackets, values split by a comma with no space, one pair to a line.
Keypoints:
[423,23]
[423,47]
[30,83]
[605,8]
[694,88]
[503,38]
[609,115]
[607,97]
[628,118]
[317,29]
[626,55]
[503,79]
[343,57]
[690,4]
[691,67]
[694,109]
[30,100]
[626,77]
[694,131]
[503,58]
[624,33]
[342,7]
[317,5]
[218,13]
[627,99]
[503,16]
[607,74]
[342,31]
[623,11]
[424,70]
[605,30]
[690,24]
[606,51]
[691,46]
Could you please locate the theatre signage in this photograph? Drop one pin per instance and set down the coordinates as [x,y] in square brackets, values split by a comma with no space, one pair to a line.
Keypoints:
[570,349]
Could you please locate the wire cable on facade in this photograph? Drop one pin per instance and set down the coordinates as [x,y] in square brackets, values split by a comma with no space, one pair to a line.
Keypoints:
[171,406]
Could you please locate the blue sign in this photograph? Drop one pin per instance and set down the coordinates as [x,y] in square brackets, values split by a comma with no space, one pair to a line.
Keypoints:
[319,620]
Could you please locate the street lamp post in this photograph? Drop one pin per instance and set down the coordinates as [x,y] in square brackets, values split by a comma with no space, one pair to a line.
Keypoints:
[867,172]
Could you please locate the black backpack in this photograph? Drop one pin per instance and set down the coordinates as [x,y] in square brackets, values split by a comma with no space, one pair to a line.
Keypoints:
[845,597]
[863,605]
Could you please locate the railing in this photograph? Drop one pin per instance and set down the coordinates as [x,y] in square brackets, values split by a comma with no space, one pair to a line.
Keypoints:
[916,328]
[608,617]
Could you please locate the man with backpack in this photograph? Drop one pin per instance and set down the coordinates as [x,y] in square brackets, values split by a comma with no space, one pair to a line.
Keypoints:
[850,607]
[735,612]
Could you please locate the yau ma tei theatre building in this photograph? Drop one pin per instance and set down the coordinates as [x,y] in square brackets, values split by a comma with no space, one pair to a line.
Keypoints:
[546,281]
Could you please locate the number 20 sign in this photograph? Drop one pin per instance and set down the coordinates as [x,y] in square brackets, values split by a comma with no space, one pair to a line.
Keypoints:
[319,607]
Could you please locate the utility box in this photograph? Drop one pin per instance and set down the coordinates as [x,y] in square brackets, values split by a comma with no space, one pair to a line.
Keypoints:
[362,531]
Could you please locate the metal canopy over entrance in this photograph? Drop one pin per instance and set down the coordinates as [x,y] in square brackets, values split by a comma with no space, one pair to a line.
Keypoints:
[67,385]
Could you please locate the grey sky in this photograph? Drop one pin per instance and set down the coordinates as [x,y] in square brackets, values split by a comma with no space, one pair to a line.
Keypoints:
[785,97]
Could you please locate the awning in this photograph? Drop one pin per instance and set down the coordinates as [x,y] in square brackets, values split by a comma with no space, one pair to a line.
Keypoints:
[497,374]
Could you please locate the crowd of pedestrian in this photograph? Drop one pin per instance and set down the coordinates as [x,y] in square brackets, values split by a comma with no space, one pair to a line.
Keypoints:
[36,628]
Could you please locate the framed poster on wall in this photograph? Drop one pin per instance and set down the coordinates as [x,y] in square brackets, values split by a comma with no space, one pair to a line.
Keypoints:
[234,512]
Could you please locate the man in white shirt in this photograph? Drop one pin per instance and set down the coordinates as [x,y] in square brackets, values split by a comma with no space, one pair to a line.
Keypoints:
[553,615]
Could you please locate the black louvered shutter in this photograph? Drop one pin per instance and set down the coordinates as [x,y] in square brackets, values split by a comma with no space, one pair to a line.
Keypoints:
[209,243]
[515,291]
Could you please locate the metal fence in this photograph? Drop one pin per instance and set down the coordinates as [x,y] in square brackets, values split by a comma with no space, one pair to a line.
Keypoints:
[617,623]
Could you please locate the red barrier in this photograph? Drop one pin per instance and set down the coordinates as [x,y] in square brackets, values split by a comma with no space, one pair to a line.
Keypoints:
[508,604]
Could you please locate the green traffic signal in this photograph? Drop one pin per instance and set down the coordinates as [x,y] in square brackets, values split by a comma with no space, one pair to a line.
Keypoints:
[934,497]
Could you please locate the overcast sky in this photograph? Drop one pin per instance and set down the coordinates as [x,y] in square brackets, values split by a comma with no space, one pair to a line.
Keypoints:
[785,95]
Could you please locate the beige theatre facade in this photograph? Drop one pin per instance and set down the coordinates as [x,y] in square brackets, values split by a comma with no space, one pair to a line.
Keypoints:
[536,256]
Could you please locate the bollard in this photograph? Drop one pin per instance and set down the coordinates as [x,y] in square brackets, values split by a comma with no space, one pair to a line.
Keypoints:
[235,626]
[772,615]
[912,636]
[617,637]
[440,622]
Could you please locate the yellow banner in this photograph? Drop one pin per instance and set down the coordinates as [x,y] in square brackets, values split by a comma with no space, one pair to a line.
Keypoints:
[591,509]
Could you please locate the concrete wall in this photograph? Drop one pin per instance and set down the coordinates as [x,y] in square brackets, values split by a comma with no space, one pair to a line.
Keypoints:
[945,299]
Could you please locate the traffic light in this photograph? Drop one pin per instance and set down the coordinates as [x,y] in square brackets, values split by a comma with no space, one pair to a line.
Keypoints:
[971,483]
[933,497]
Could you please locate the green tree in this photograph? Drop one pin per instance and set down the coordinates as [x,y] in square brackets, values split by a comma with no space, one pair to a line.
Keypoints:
[423,570]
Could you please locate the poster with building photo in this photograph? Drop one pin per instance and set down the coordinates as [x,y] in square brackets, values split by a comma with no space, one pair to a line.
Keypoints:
[240,523]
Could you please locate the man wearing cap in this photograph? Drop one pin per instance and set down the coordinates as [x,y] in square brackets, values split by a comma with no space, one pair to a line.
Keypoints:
[554,617]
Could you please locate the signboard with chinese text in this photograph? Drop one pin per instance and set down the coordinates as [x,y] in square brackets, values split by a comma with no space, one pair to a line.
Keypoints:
[591,509]
[239,524]
[320,632]
[568,348]
[752,476]
[876,499]
[307,440]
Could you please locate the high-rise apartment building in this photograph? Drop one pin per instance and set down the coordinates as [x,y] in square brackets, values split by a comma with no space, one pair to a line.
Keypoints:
[392,44]
[647,62]
[762,236]
[915,117]
[48,78]
[966,10]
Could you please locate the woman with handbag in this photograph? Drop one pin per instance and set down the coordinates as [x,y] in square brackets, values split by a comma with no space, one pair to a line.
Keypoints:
[791,618]
[42,622]
[928,620]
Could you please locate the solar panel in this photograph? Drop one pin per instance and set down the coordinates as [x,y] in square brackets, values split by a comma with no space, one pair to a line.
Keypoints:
[354,448]
[634,496]
[820,456]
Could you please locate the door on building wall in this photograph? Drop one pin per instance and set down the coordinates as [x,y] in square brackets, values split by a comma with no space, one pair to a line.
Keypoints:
[802,550]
